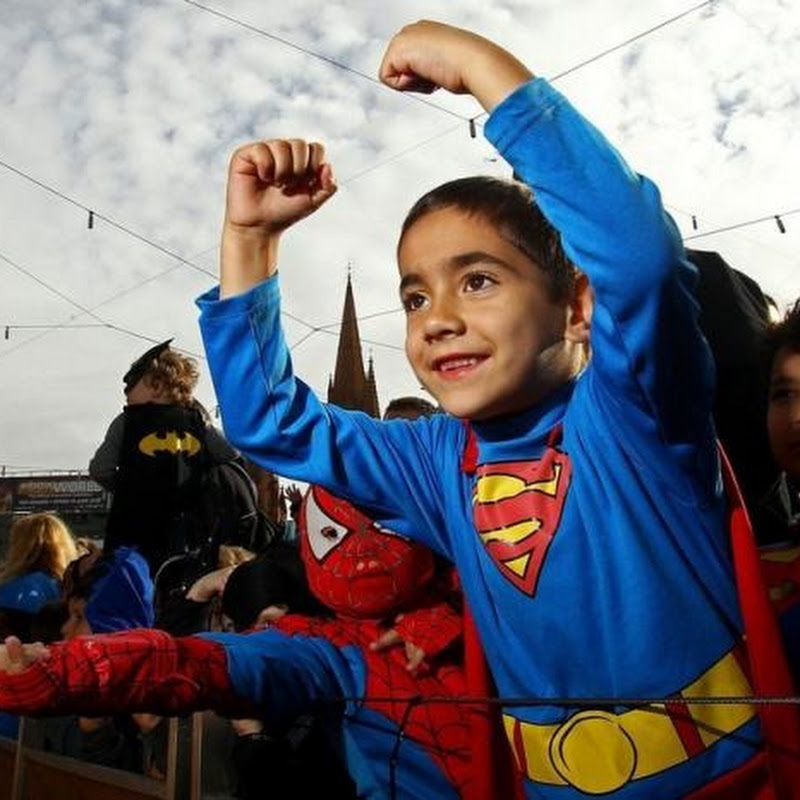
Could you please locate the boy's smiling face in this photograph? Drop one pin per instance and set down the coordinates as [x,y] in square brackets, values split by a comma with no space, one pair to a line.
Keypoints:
[483,334]
[783,414]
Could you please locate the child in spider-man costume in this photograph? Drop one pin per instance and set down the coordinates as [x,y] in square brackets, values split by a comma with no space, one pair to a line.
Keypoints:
[393,646]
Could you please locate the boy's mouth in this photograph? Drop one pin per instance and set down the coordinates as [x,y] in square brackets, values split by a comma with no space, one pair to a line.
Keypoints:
[454,366]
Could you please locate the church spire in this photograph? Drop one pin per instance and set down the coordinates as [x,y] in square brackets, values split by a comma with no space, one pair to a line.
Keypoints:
[352,387]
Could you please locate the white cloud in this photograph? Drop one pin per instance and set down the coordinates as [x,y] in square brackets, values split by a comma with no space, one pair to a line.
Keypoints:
[133,110]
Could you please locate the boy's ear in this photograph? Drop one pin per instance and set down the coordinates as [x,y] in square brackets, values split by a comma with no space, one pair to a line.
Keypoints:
[579,311]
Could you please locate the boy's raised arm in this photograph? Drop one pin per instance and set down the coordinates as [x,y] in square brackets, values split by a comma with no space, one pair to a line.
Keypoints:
[271,185]
[427,55]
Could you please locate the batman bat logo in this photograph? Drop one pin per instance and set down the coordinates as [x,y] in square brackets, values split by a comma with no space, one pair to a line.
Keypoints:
[172,442]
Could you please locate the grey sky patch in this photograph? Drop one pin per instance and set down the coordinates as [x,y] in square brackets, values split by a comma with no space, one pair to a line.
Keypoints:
[133,109]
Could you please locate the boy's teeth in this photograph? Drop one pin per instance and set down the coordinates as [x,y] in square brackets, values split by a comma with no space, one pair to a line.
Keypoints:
[458,363]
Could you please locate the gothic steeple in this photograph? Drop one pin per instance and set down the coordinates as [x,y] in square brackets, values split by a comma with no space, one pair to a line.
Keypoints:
[352,387]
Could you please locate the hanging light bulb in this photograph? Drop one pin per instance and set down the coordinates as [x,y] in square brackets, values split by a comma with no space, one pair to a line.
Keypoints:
[472,131]
[90,223]
[779,223]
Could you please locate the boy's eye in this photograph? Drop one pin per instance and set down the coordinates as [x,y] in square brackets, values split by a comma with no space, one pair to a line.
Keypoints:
[476,281]
[413,302]
[781,394]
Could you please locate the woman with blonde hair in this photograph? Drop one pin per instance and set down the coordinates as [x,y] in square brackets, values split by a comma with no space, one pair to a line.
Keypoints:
[40,548]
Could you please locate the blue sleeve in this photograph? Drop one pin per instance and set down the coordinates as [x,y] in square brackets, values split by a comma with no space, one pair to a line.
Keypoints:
[277,421]
[645,337]
[284,676]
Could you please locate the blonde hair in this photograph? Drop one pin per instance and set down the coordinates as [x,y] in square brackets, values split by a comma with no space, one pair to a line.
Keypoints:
[38,543]
[176,373]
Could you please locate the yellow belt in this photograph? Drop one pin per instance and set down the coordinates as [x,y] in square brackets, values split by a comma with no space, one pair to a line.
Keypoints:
[597,751]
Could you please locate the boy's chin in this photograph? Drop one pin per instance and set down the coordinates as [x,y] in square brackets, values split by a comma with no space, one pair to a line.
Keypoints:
[475,413]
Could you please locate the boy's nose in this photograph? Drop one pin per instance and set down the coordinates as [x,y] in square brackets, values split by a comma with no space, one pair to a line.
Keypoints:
[443,319]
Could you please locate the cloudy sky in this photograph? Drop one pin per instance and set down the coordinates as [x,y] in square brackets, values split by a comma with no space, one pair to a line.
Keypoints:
[131,108]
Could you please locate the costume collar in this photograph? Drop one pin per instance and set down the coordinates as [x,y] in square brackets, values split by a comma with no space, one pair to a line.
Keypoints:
[511,437]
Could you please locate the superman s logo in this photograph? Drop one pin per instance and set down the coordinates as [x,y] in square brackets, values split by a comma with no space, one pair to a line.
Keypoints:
[517,507]
[172,443]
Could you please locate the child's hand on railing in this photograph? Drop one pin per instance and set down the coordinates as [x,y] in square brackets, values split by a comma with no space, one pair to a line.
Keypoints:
[15,656]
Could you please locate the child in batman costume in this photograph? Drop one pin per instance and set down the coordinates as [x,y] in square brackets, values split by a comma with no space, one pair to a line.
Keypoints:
[155,458]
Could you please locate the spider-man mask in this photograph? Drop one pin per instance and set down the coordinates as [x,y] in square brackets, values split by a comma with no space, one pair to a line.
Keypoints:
[355,567]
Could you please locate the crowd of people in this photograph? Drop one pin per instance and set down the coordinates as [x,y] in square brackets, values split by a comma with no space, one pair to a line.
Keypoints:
[553,534]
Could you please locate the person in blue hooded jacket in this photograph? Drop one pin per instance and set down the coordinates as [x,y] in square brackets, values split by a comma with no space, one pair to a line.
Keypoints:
[108,594]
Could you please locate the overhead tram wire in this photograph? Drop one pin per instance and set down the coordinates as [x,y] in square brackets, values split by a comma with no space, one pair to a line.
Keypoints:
[125,229]
[54,326]
[51,288]
[328,332]
[633,39]
[472,120]
[621,45]
[65,324]
[552,79]
[66,298]
[769,218]
[101,323]
[400,154]
[315,54]
[97,215]
[312,329]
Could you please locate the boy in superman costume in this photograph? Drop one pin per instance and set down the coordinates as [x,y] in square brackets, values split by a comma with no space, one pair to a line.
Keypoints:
[581,503]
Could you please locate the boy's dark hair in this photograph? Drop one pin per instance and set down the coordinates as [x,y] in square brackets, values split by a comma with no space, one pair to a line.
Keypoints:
[510,207]
[404,406]
[785,333]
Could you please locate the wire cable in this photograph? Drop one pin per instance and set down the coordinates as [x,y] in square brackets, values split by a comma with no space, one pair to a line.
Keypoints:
[83,309]
[314,329]
[632,39]
[746,223]
[113,223]
[315,54]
